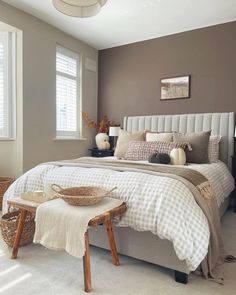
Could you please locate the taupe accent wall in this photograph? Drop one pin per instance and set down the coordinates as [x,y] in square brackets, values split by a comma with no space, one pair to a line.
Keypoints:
[129,76]
[35,136]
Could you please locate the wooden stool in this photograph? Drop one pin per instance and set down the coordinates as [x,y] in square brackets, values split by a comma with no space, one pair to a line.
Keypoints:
[28,206]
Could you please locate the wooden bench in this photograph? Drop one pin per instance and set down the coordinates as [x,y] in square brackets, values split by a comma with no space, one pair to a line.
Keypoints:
[29,206]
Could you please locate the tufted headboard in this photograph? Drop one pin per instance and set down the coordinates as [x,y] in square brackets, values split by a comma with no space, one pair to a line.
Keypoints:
[219,124]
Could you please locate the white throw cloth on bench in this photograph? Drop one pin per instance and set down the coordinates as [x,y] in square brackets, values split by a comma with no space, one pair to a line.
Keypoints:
[60,226]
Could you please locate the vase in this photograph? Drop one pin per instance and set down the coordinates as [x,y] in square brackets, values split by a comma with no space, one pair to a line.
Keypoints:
[101,137]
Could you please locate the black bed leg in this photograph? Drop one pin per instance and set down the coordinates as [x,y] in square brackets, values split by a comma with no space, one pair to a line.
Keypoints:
[181,277]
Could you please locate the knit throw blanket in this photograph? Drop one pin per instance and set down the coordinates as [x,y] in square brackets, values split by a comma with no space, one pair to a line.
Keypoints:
[202,191]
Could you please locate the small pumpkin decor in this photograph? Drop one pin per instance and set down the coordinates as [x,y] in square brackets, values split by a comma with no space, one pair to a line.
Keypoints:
[104,145]
[159,158]
[178,156]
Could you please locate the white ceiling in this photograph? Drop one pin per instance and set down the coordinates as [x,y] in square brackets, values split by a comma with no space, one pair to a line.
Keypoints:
[126,21]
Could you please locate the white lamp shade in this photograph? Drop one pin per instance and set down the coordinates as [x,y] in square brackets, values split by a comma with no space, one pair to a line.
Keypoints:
[114,131]
[79,8]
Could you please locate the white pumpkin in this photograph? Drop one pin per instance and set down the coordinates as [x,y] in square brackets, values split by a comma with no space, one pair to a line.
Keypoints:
[177,156]
[100,137]
[104,145]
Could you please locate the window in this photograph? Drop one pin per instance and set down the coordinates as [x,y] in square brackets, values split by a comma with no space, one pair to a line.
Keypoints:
[67,93]
[7,85]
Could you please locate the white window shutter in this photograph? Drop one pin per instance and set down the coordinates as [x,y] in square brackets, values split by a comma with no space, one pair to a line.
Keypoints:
[3,82]
[7,85]
[67,93]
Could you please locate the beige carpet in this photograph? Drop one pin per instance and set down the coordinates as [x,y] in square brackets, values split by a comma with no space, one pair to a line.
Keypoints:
[45,272]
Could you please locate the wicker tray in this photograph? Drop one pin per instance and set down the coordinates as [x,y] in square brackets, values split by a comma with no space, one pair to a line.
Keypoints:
[5,182]
[8,226]
[81,196]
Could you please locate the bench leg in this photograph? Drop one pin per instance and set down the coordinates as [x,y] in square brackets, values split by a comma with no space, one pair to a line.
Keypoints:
[86,264]
[19,231]
[110,234]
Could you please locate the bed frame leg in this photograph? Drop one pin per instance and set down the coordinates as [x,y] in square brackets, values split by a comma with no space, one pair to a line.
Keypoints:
[181,277]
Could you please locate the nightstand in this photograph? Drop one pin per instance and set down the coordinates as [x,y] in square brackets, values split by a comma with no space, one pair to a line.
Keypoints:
[95,152]
[234,176]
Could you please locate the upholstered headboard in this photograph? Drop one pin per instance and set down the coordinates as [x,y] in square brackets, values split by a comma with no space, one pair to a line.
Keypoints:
[219,124]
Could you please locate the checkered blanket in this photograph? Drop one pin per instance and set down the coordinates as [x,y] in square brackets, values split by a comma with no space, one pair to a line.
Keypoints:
[151,201]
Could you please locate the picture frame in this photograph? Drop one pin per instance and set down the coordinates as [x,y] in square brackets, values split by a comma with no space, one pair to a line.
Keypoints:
[177,87]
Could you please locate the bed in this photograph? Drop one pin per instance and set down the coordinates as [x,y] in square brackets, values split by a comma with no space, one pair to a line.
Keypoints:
[136,240]
[161,252]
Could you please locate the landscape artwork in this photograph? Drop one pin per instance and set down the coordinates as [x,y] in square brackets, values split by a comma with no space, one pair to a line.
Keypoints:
[175,88]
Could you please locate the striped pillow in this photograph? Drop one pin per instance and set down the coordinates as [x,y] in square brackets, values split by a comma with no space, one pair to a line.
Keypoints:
[141,150]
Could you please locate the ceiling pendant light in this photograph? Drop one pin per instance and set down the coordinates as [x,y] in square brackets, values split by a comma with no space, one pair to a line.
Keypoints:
[79,8]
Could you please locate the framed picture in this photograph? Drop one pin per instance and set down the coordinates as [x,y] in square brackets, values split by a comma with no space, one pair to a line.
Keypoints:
[175,87]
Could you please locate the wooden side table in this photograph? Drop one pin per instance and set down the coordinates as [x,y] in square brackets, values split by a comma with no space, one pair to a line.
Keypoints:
[234,176]
[95,152]
[28,206]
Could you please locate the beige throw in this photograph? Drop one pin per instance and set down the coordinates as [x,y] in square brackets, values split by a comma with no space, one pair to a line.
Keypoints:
[60,226]
[201,190]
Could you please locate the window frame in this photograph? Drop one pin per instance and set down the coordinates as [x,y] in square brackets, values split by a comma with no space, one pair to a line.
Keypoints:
[10,128]
[77,56]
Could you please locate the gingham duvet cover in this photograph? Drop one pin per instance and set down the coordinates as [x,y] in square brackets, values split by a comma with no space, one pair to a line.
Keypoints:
[159,204]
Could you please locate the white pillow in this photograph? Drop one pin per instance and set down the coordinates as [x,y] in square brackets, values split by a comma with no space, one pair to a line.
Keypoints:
[156,136]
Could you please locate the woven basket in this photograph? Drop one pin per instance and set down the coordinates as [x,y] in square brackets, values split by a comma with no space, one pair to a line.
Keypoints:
[81,196]
[8,226]
[5,182]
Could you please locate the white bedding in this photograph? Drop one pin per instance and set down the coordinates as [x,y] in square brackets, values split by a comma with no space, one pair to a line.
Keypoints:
[159,204]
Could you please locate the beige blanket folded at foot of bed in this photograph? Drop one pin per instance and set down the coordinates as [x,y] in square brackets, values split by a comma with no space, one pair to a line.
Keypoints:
[60,226]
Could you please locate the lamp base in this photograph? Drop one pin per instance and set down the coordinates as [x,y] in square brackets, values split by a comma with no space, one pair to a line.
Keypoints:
[234,145]
[113,141]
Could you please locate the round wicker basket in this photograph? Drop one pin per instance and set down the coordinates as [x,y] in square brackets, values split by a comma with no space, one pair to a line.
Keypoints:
[81,196]
[8,226]
[5,182]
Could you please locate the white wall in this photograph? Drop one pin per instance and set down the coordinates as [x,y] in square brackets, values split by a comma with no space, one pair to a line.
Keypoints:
[39,94]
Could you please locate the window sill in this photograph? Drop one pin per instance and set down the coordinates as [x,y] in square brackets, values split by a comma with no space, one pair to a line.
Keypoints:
[7,139]
[69,138]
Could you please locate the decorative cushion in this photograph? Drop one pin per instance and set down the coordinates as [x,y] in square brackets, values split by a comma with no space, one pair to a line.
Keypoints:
[214,148]
[123,141]
[141,150]
[156,136]
[199,143]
